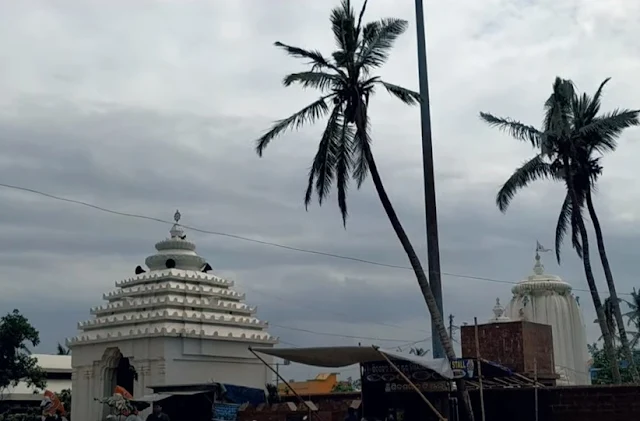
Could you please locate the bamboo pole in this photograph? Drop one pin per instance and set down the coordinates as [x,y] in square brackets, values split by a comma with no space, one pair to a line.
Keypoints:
[475,321]
[284,381]
[424,398]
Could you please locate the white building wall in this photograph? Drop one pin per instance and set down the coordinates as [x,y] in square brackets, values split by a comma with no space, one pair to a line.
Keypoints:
[159,361]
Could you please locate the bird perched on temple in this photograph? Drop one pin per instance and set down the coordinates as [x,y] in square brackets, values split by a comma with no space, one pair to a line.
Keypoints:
[183,237]
[207,267]
[139,270]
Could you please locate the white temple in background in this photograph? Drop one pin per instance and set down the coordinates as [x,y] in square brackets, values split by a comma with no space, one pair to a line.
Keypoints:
[547,299]
[176,323]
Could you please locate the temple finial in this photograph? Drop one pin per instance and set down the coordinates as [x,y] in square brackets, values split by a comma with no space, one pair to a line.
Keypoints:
[175,231]
[498,312]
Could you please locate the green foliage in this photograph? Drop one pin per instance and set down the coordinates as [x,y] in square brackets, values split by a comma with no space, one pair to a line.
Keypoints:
[603,365]
[30,414]
[16,362]
[633,317]
[574,136]
[272,393]
[345,83]
[346,386]
[62,350]
[65,398]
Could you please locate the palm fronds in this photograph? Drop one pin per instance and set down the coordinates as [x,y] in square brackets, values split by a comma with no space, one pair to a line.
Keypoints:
[403,94]
[514,128]
[566,218]
[534,169]
[344,80]
[308,114]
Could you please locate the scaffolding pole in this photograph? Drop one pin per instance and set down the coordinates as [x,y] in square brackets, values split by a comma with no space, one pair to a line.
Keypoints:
[424,398]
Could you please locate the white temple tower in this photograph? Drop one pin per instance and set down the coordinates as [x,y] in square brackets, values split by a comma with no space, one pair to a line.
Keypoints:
[174,324]
[547,299]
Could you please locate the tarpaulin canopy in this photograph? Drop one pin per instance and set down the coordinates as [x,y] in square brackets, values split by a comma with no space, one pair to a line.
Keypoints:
[343,356]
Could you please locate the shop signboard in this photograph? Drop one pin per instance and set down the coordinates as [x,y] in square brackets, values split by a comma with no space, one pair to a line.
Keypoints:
[381,375]
[225,411]
[463,368]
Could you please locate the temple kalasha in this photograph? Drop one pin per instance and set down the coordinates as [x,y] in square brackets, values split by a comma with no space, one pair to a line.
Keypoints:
[175,322]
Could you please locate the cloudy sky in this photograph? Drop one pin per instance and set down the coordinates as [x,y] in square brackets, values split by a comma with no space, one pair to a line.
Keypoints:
[149,106]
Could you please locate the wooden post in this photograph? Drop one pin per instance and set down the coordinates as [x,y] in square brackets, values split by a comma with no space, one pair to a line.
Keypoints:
[475,321]
[535,386]
[285,382]
[406,379]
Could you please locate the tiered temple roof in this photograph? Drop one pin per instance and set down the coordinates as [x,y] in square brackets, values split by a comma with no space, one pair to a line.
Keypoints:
[176,297]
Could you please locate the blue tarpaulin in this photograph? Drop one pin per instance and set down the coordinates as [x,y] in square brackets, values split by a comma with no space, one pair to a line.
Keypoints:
[241,394]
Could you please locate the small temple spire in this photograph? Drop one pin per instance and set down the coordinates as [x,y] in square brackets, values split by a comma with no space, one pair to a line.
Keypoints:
[498,313]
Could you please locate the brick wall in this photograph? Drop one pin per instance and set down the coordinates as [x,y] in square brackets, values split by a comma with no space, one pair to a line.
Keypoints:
[512,344]
[578,403]
[595,403]
[538,347]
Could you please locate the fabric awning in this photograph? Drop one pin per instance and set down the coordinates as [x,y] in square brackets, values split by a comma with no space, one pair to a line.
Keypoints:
[155,397]
[349,355]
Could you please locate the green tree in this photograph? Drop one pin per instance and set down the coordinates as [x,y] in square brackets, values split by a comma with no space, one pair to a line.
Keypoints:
[62,350]
[602,365]
[347,84]
[345,386]
[16,362]
[65,398]
[633,317]
[609,317]
[569,148]
[272,393]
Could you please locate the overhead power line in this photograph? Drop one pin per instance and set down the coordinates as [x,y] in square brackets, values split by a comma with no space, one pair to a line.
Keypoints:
[252,240]
[338,335]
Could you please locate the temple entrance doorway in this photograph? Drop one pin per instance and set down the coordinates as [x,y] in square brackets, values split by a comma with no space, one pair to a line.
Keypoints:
[125,374]
[118,371]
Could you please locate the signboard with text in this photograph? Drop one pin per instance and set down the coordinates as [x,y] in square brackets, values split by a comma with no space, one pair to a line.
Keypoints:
[225,411]
[381,375]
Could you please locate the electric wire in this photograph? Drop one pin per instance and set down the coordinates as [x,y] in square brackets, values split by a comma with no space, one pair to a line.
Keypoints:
[253,240]
[272,244]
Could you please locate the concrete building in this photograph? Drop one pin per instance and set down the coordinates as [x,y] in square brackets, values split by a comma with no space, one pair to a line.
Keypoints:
[58,373]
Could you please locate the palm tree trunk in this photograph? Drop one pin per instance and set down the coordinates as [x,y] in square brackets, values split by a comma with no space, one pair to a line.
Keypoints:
[593,289]
[624,341]
[427,294]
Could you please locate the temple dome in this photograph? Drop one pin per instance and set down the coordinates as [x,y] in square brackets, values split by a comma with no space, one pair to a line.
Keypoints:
[541,283]
[547,299]
[178,296]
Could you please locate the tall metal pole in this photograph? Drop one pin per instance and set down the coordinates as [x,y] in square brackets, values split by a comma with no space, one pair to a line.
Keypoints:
[433,249]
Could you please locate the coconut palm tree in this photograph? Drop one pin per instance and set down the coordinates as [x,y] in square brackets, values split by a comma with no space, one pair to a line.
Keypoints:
[599,137]
[344,153]
[633,316]
[609,315]
[566,155]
